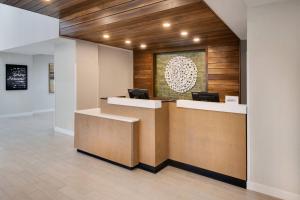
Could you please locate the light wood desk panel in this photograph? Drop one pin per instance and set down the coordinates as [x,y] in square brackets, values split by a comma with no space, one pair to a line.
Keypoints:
[211,140]
[153,130]
[110,139]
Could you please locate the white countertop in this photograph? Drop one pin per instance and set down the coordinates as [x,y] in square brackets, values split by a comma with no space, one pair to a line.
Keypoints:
[96,112]
[219,107]
[140,103]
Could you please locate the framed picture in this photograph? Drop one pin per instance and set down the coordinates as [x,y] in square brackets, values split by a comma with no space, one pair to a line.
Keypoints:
[178,74]
[16,77]
[51,78]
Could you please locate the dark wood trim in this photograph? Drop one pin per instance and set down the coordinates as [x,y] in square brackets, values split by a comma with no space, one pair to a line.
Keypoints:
[106,160]
[206,62]
[153,169]
[209,174]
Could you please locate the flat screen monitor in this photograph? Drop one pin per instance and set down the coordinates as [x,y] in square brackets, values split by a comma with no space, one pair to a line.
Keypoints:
[138,93]
[205,96]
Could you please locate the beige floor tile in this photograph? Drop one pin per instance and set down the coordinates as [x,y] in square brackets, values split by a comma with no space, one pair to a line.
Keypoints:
[38,164]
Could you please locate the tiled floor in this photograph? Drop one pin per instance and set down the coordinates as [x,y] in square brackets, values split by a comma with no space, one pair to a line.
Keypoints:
[38,164]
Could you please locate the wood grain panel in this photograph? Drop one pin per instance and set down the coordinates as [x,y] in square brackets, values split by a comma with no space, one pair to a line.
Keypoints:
[144,70]
[110,139]
[137,20]
[223,64]
[153,130]
[215,141]
[224,70]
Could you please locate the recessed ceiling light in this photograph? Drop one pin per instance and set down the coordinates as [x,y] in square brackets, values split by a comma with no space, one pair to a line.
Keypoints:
[196,39]
[127,42]
[184,33]
[106,36]
[143,46]
[166,25]
[47,0]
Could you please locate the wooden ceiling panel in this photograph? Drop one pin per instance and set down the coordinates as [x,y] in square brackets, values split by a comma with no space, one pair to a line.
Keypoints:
[137,20]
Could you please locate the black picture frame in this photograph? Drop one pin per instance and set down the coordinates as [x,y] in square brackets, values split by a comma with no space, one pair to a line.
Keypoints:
[16,77]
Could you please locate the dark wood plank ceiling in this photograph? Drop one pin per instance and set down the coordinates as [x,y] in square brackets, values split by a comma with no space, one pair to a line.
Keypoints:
[137,20]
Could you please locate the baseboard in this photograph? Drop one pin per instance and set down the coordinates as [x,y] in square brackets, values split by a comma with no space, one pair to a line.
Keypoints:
[272,191]
[64,131]
[106,160]
[25,114]
[208,173]
[153,169]
[43,111]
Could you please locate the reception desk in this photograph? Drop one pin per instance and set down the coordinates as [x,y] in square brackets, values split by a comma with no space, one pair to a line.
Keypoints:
[206,138]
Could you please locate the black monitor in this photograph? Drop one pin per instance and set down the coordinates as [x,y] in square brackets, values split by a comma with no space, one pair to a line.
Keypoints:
[138,93]
[205,96]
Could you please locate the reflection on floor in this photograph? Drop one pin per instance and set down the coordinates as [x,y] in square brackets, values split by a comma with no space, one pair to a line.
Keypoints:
[38,164]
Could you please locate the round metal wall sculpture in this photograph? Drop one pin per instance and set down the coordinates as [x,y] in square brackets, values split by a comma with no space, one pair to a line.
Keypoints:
[181,74]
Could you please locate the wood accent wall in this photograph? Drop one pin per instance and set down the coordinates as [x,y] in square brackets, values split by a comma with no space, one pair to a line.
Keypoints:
[144,70]
[223,62]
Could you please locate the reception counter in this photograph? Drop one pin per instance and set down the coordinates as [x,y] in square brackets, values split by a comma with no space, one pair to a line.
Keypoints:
[209,138]
[111,137]
[202,137]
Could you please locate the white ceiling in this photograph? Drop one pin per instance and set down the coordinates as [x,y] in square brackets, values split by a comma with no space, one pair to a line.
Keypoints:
[45,48]
[253,3]
[234,13]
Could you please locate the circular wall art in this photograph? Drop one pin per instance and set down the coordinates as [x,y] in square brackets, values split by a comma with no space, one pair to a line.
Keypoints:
[181,74]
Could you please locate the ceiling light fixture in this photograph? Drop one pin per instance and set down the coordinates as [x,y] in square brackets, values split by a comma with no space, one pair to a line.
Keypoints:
[127,42]
[143,46]
[166,25]
[196,39]
[184,33]
[106,36]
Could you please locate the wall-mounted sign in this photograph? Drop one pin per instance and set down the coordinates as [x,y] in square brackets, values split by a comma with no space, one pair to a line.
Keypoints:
[51,78]
[16,77]
[232,99]
[178,74]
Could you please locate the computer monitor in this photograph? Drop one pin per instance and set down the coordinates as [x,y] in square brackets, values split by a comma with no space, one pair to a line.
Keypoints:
[205,96]
[138,93]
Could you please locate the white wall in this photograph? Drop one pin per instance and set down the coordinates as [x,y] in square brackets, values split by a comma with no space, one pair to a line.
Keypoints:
[20,27]
[87,80]
[65,97]
[36,98]
[273,99]
[14,102]
[78,82]
[116,71]
[42,99]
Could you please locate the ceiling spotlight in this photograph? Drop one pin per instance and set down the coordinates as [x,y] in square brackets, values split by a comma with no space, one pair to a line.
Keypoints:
[184,33]
[127,42]
[196,39]
[143,46]
[166,25]
[47,0]
[106,36]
